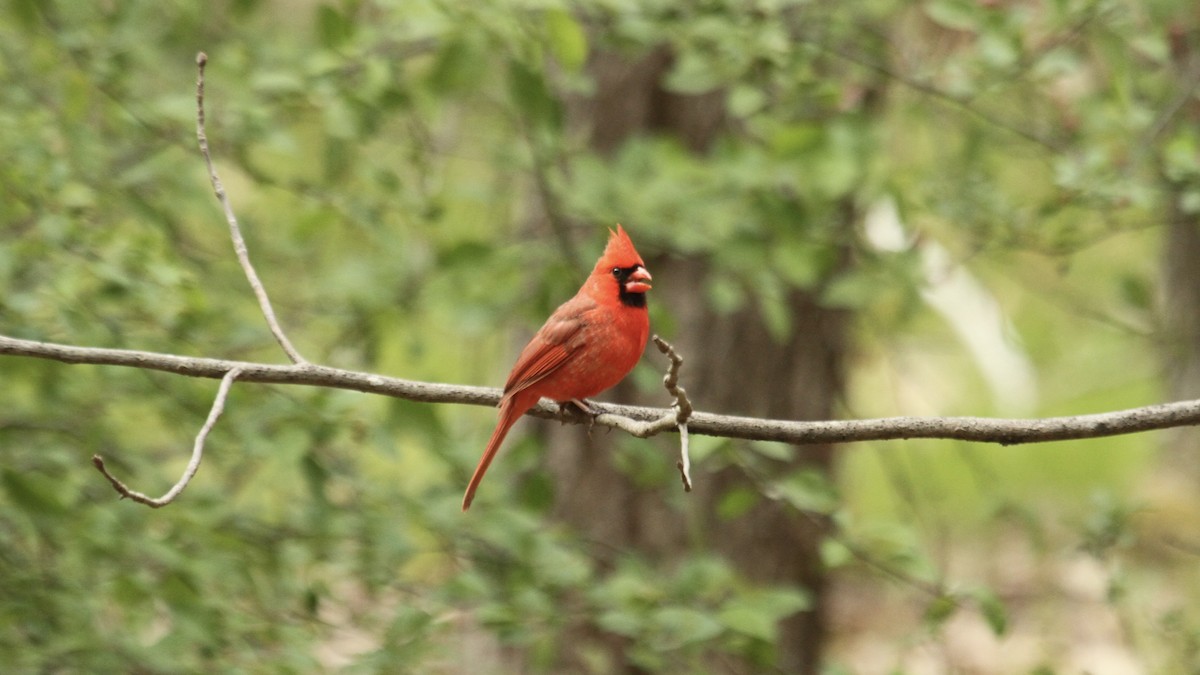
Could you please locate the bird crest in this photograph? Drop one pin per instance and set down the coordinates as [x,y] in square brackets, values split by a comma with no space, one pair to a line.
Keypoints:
[620,251]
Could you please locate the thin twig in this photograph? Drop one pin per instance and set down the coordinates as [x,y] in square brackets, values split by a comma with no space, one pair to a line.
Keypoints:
[235,232]
[645,421]
[685,462]
[683,409]
[683,406]
[931,90]
[214,414]
[551,204]
[1185,90]
[645,426]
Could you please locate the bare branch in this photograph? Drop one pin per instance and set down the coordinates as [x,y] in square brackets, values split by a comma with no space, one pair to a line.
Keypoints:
[214,414]
[630,419]
[235,232]
[643,420]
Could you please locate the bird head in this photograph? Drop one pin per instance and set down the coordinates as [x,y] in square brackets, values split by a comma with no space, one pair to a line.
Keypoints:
[622,263]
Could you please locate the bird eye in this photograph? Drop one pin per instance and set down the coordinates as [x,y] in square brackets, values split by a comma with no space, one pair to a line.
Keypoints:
[616,271]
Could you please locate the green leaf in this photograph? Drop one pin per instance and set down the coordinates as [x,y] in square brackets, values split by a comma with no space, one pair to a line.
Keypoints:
[747,620]
[273,82]
[692,74]
[796,140]
[75,195]
[736,502]
[456,67]
[961,15]
[333,28]
[568,41]
[851,290]
[340,122]
[757,613]
[993,610]
[839,167]
[799,263]
[745,100]
[532,97]
[621,622]
[834,553]
[561,566]
[1179,157]
[1136,291]
[34,493]
[774,450]
[998,50]
[1189,202]
[785,602]
[808,490]
[704,575]
[773,305]
[940,609]
[725,294]
[676,627]
[316,475]
[26,12]
[1153,45]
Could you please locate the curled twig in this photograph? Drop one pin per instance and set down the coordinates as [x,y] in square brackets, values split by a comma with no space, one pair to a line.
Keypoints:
[214,414]
[683,406]
[645,428]
[235,232]
[676,417]
[683,409]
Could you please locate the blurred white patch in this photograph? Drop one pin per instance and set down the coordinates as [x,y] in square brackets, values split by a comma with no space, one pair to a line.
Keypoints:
[970,310]
[883,228]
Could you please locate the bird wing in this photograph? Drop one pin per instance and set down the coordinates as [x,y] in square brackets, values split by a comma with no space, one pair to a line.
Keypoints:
[560,337]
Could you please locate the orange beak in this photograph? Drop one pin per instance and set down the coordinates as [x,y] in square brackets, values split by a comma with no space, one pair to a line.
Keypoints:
[636,283]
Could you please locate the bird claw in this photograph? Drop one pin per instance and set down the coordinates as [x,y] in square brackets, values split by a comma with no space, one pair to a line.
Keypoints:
[583,407]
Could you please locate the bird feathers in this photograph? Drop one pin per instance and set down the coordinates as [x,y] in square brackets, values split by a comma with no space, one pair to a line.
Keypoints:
[586,346]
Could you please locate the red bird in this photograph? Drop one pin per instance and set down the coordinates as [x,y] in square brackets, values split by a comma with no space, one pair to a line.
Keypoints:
[586,346]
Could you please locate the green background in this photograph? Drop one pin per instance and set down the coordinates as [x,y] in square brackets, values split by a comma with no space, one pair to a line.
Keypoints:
[383,157]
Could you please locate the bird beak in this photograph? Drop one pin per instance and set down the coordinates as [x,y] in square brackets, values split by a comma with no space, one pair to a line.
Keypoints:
[636,283]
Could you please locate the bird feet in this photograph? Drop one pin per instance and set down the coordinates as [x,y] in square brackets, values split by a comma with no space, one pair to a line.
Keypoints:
[581,407]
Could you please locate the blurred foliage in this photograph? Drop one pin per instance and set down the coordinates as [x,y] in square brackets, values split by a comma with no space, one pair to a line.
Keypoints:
[381,158]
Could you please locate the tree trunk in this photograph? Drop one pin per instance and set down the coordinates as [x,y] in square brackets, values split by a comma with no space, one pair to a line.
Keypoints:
[1181,286]
[1181,266]
[732,365]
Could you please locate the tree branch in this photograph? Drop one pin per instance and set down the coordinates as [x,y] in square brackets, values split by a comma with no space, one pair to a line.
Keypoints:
[978,429]
[218,407]
[235,232]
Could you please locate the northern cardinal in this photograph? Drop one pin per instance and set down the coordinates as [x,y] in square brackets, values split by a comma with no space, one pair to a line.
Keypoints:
[586,346]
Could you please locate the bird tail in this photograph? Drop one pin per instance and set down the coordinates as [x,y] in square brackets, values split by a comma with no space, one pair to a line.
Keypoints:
[510,412]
